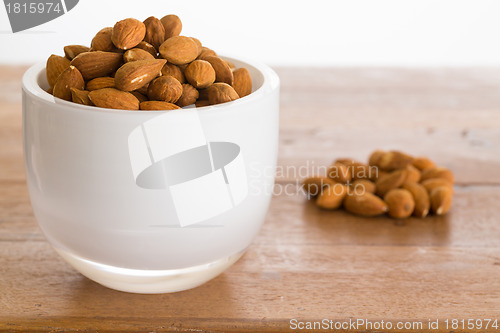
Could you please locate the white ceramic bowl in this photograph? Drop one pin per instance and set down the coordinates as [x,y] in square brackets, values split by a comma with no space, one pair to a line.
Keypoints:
[151,201]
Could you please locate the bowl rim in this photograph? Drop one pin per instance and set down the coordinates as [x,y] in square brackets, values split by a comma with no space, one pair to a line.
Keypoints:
[270,83]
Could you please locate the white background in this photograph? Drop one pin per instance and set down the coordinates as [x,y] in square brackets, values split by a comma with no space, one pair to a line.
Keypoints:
[312,33]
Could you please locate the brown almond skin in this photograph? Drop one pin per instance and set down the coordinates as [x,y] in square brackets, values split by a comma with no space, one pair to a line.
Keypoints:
[430,184]
[155,32]
[112,98]
[97,63]
[441,198]
[139,96]
[80,96]
[200,74]
[137,54]
[71,51]
[189,95]
[179,50]
[366,204]
[363,185]
[242,82]
[393,160]
[54,67]
[165,88]
[412,174]
[102,40]
[158,106]
[135,74]
[422,163]
[339,172]
[198,43]
[331,197]
[438,172]
[223,72]
[100,83]
[144,89]
[314,185]
[128,33]
[205,52]
[220,92]
[148,48]
[421,198]
[375,157]
[390,181]
[175,71]
[400,203]
[70,78]
[172,25]
[201,103]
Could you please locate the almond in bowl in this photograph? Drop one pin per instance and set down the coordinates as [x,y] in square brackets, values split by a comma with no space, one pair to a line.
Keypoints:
[145,63]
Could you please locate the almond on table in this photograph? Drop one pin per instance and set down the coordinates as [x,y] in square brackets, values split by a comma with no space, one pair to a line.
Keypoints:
[152,62]
[406,186]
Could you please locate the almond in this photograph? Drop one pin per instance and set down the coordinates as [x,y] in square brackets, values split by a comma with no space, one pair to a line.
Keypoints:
[400,203]
[128,33]
[144,89]
[339,172]
[179,50]
[438,172]
[100,83]
[155,32]
[148,48]
[102,40]
[223,72]
[200,74]
[203,94]
[412,174]
[137,54]
[135,74]
[55,66]
[97,63]
[221,93]
[165,88]
[172,25]
[80,96]
[422,163]
[189,95]
[441,198]
[158,105]
[331,197]
[421,198]
[365,204]
[393,160]
[242,82]
[201,103]
[314,185]
[112,98]
[70,78]
[375,157]
[139,96]
[173,70]
[71,51]
[390,181]
[198,43]
[205,52]
[363,185]
[430,184]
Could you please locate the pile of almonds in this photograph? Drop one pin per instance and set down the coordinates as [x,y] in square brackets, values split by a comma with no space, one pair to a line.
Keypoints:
[392,182]
[145,65]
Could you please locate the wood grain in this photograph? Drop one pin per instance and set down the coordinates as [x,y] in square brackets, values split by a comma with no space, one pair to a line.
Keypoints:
[306,263]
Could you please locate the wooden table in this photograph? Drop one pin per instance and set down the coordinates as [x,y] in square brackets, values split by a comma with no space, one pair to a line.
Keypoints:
[306,264]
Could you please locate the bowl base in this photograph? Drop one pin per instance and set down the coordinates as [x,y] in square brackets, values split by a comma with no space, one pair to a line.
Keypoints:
[149,281]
